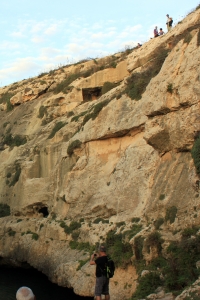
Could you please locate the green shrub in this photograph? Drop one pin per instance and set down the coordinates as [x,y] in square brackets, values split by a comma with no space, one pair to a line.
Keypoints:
[158,263]
[107,86]
[42,82]
[154,240]
[119,224]
[17,140]
[137,82]
[70,113]
[113,64]
[5,124]
[171,214]
[56,128]
[162,197]
[187,232]
[138,246]
[8,175]
[83,246]
[42,111]
[170,88]
[35,236]
[75,235]
[135,220]
[11,232]
[63,86]
[74,145]
[74,225]
[196,154]
[158,223]
[135,228]
[98,220]
[16,175]
[4,210]
[95,111]
[187,38]
[81,263]
[5,98]
[147,285]
[42,74]
[76,118]
[120,251]
[136,85]
[181,270]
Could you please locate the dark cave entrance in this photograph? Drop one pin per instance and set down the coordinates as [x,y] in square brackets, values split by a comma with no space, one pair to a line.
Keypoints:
[44,211]
[12,278]
[90,94]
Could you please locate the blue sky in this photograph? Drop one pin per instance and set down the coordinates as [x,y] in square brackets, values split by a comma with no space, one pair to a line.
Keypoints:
[38,36]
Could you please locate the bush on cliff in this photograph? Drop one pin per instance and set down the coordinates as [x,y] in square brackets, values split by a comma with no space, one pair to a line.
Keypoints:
[120,251]
[56,128]
[181,271]
[42,111]
[177,266]
[16,176]
[171,214]
[74,145]
[4,210]
[5,98]
[95,111]
[14,141]
[154,240]
[137,82]
[147,285]
[107,86]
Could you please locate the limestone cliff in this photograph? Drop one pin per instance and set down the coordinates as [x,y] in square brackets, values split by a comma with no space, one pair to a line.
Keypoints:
[83,160]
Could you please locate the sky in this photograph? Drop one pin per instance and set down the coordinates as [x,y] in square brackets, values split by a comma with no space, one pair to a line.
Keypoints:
[41,35]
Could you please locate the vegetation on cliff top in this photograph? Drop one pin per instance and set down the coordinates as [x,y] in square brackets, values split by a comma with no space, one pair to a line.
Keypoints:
[5,98]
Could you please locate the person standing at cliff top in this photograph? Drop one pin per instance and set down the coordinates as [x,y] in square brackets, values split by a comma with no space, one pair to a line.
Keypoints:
[24,293]
[169,22]
[155,32]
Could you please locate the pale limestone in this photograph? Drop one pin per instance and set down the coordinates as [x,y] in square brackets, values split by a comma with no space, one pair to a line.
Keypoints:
[131,153]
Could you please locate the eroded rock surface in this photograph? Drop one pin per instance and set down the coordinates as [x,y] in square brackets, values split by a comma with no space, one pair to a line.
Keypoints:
[71,152]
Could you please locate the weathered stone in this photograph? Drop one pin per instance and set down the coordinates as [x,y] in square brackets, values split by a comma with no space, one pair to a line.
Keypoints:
[129,160]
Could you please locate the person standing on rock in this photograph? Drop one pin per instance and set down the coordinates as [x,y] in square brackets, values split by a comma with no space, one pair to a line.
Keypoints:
[24,293]
[169,22]
[102,282]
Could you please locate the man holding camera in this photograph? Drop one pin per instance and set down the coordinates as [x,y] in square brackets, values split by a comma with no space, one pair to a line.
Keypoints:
[102,282]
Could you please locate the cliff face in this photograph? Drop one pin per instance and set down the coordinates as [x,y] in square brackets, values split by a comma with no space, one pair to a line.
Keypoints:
[75,151]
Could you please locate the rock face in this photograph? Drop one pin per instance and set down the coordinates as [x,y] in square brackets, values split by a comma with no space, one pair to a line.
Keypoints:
[76,149]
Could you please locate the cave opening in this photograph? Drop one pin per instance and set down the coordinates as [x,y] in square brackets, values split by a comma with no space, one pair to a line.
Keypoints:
[44,211]
[90,94]
[12,278]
